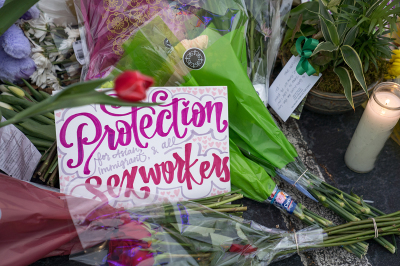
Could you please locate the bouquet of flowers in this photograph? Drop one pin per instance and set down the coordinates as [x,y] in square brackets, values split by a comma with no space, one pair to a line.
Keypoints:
[188,233]
[108,24]
[214,55]
[52,51]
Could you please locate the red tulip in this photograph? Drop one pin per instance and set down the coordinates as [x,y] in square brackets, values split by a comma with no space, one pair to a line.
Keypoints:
[131,86]
[243,249]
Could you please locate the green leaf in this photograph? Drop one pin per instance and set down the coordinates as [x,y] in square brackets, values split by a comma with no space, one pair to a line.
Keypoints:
[322,60]
[372,8]
[352,59]
[329,31]
[293,50]
[309,11]
[345,80]
[46,132]
[333,5]
[342,29]
[298,26]
[74,96]
[351,36]
[287,37]
[372,25]
[78,88]
[11,11]
[366,64]
[325,46]
[323,11]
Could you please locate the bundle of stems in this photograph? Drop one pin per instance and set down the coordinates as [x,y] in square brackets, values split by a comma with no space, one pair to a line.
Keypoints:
[308,217]
[186,230]
[360,230]
[47,169]
[221,203]
[39,129]
[350,207]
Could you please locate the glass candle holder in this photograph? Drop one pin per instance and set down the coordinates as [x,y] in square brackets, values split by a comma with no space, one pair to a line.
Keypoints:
[377,122]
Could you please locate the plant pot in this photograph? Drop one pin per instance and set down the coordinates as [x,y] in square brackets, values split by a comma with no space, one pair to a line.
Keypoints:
[334,103]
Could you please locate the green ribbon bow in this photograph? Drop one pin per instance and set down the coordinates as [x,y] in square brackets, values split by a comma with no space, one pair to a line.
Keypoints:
[305,52]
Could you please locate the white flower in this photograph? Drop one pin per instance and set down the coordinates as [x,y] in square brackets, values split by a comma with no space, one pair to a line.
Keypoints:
[72,70]
[45,78]
[41,61]
[72,33]
[39,26]
[66,44]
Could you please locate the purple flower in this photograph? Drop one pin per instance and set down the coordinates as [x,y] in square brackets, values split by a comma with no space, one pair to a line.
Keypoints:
[266,31]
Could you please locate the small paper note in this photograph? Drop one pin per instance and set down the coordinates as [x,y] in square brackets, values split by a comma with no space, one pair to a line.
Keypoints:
[289,89]
[18,156]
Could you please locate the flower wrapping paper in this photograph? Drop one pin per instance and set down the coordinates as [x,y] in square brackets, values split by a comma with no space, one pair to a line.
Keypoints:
[109,23]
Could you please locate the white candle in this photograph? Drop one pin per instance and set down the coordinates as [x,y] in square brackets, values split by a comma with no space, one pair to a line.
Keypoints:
[376,125]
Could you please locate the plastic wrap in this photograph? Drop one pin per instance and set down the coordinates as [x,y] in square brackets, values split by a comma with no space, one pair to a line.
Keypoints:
[34,223]
[180,233]
[297,174]
[267,21]
[108,24]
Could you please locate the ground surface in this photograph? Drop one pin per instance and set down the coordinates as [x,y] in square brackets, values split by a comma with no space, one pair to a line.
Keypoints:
[321,142]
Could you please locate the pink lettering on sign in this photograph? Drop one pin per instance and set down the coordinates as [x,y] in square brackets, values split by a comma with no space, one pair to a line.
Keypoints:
[134,151]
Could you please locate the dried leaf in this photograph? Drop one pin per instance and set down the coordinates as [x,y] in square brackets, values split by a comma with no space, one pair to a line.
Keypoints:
[298,25]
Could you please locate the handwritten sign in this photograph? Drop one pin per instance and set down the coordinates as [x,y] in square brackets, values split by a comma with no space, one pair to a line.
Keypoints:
[289,89]
[175,151]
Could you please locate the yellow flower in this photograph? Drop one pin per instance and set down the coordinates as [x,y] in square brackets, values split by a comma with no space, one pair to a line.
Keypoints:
[394,66]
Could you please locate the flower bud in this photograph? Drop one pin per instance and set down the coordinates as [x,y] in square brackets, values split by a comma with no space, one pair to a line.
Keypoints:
[131,86]
[6,105]
[16,91]
[6,94]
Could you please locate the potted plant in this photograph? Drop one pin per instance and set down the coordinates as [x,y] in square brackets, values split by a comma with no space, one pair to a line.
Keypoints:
[352,52]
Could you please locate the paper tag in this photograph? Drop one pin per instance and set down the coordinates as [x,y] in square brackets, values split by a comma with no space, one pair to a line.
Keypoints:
[18,156]
[79,53]
[289,89]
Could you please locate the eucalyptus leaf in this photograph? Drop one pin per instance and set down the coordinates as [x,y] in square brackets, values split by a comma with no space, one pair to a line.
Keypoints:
[11,11]
[352,59]
[345,80]
[325,46]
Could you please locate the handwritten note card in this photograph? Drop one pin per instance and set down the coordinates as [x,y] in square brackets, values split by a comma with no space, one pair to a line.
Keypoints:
[176,151]
[289,89]
[18,156]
